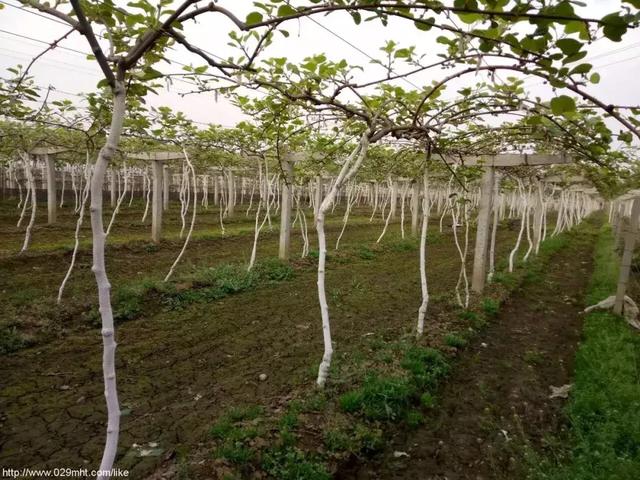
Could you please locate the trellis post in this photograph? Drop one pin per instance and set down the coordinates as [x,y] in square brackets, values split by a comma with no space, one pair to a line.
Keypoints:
[482,232]
[51,188]
[630,233]
[285,208]
[156,201]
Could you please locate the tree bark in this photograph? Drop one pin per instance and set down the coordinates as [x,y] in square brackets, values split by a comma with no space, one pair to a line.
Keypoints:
[349,169]
[104,288]
[422,310]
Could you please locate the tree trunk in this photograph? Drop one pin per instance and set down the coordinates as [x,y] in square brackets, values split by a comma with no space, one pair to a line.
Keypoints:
[422,311]
[349,169]
[104,288]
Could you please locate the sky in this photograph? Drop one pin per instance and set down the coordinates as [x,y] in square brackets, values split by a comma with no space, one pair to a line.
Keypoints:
[70,73]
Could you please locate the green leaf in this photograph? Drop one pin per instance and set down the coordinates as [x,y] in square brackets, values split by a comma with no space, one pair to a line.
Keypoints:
[424,25]
[469,18]
[582,68]
[625,137]
[574,58]
[403,53]
[579,27]
[615,27]
[569,46]
[286,10]
[253,18]
[537,45]
[563,104]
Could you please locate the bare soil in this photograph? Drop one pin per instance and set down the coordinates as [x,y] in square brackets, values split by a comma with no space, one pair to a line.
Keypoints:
[178,371]
[496,406]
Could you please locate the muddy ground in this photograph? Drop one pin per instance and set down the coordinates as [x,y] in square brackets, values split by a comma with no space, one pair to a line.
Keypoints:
[496,407]
[179,370]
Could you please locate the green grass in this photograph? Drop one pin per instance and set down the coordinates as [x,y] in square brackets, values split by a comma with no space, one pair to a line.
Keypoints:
[379,398]
[233,433]
[454,340]
[293,464]
[490,307]
[200,285]
[365,253]
[11,340]
[355,438]
[404,245]
[605,401]
[392,397]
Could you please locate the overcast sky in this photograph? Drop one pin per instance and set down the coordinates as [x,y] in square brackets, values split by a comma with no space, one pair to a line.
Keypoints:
[70,73]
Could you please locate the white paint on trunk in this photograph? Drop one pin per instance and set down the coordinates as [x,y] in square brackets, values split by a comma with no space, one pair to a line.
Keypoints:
[348,170]
[193,213]
[426,211]
[104,288]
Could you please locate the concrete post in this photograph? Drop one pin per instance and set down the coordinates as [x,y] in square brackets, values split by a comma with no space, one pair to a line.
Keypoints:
[166,177]
[619,226]
[482,232]
[285,208]
[51,189]
[156,201]
[630,234]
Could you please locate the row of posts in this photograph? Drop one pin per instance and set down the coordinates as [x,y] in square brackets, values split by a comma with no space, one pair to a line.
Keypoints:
[160,202]
[626,232]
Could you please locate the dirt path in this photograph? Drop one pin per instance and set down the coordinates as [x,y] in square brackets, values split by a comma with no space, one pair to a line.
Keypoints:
[497,400]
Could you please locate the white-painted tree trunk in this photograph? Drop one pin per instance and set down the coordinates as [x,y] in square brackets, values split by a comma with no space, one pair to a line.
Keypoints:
[348,170]
[303,228]
[27,195]
[32,219]
[104,288]
[193,214]
[351,198]
[64,177]
[147,192]
[522,226]
[265,197]
[426,210]
[76,245]
[494,229]
[123,193]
